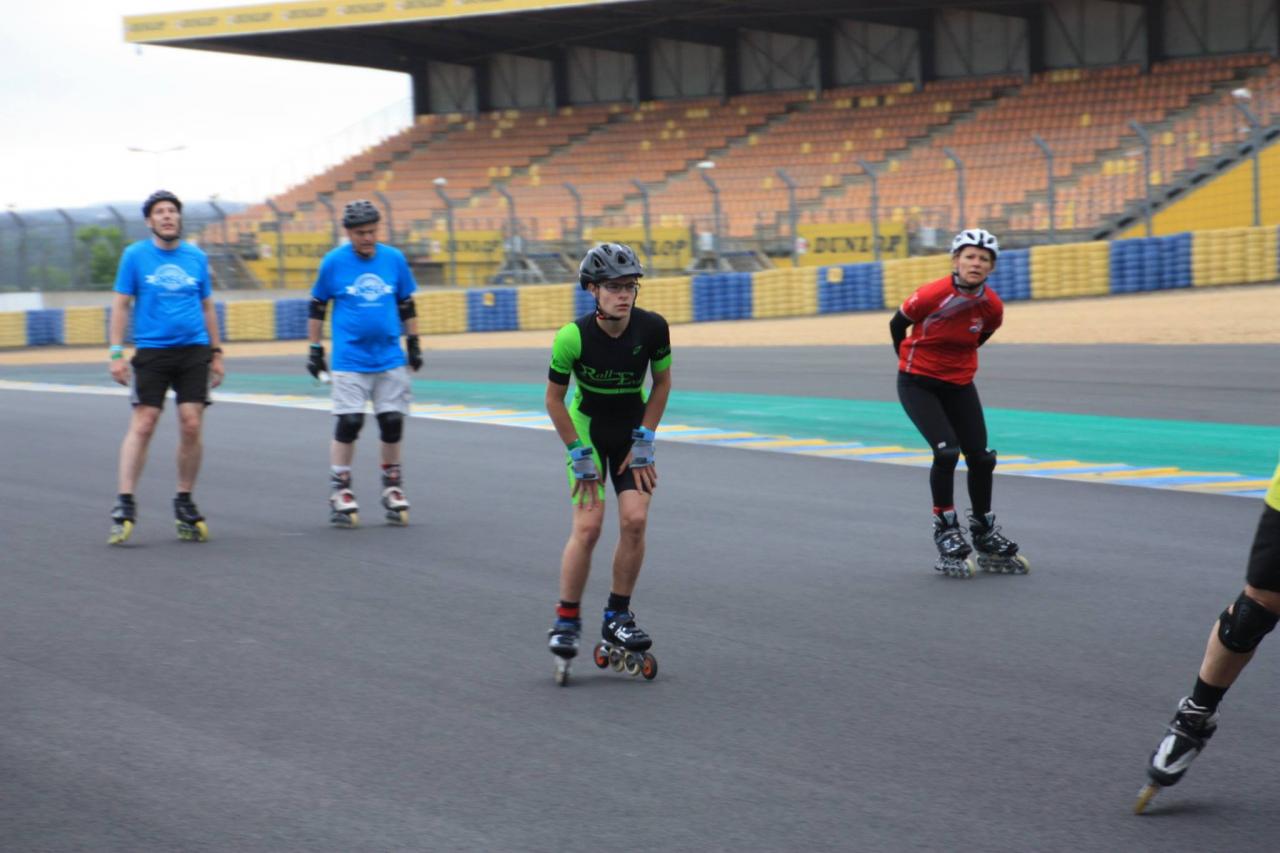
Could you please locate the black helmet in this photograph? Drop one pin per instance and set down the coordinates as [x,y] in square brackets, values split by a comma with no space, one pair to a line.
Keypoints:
[608,261]
[359,212]
[157,197]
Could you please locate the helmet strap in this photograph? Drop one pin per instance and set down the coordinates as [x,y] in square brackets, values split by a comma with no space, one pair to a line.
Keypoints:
[168,240]
[970,289]
[600,315]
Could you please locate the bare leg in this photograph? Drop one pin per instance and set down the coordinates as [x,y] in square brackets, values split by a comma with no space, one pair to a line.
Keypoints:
[390,453]
[133,450]
[190,445]
[575,564]
[633,517]
[342,453]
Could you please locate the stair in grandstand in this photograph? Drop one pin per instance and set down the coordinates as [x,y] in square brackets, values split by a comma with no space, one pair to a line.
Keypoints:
[1082,171]
[1208,164]
[227,270]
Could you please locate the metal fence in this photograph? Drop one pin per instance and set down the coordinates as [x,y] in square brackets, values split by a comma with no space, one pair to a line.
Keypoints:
[52,250]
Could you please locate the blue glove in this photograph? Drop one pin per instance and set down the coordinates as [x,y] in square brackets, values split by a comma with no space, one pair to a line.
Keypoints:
[642,448]
[583,462]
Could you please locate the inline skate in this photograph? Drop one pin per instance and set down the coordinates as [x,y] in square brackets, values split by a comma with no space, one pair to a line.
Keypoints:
[1185,737]
[124,516]
[953,550]
[995,552]
[343,509]
[187,518]
[625,646]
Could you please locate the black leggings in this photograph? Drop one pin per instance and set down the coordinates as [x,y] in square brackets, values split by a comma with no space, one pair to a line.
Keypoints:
[949,416]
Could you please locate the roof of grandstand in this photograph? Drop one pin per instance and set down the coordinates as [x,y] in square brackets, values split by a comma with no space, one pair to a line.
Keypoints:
[396,35]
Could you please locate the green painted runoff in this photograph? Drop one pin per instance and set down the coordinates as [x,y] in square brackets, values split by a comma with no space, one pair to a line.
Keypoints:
[1189,445]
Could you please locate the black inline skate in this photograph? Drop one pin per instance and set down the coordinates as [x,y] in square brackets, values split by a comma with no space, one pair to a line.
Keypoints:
[996,553]
[343,509]
[562,640]
[626,646]
[393,499]
[953,551]
[124,516]
[187,518]
[1185,737]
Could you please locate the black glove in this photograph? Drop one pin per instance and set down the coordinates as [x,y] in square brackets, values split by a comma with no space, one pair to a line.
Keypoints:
[415,352]
[315,361]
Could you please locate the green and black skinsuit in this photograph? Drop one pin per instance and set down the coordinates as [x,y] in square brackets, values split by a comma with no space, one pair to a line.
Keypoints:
[609,400]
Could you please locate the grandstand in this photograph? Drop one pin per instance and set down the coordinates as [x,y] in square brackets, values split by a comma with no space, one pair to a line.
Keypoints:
[702,114]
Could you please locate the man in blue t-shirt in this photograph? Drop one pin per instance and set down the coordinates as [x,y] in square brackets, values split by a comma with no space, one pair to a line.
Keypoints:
[175,334]
[371,288]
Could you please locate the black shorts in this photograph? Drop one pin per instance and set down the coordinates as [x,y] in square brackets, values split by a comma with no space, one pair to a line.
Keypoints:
[184,369]
[613,442]
[1264,559]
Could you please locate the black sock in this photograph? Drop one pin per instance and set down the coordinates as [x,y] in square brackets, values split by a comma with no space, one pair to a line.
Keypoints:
[126,497]
[1208,696]
[617,602]
[184,496]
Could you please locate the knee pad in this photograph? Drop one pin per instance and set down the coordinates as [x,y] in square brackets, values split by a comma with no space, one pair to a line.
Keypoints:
[392,426]
[982,462]
[946,457]
[348,427]
[1242,627]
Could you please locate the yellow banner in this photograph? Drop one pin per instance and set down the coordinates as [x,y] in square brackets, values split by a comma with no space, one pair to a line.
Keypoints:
[670,250]
[824,243]
[474,247]
[320,14]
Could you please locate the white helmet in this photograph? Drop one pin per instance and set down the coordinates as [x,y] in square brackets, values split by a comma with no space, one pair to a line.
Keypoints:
[976,237]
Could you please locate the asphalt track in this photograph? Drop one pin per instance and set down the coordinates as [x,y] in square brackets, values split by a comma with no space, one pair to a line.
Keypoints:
[291,687]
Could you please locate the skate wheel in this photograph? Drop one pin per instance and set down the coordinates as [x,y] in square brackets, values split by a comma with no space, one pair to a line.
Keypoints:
[1145,796]
[399,518]
[631,663]
[120,533]
[649,667]
[198,532]
[615,659]
[562,672]
[1021,565]
[601,655]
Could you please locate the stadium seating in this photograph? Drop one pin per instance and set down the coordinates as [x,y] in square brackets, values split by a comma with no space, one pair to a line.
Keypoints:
[902,130]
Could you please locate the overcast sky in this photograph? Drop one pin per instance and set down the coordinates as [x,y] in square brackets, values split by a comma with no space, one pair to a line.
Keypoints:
[74,97]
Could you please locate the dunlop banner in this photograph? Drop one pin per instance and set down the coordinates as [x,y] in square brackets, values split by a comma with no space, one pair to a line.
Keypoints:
[318,14]
[474,247]
[302,249]
[671,249]
[824,243]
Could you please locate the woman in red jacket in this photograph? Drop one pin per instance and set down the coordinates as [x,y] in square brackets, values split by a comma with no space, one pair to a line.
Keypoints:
[949,319]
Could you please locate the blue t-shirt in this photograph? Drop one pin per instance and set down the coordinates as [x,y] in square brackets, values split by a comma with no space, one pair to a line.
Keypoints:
[366,293]
[168,287]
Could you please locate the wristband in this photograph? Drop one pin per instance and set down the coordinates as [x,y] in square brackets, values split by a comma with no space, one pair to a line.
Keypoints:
[116,351]
[573,445]
[216,350]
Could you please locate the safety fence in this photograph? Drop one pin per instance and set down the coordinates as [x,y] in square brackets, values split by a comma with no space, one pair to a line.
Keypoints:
[1199,259]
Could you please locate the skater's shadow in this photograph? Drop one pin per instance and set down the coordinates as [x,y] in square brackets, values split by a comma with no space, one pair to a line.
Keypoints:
[1180,809]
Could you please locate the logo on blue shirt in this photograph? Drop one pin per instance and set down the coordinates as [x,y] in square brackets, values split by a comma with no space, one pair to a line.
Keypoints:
[370,287]
[171,277]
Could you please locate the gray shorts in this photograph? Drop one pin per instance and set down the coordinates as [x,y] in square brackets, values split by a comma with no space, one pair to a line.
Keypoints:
[388,391]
